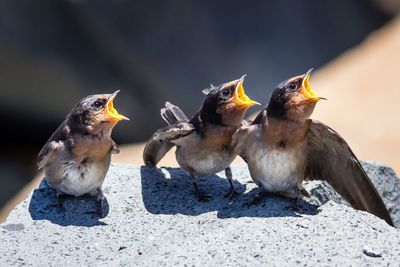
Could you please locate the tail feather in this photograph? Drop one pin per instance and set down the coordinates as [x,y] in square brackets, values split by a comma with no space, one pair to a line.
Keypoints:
[173,114]
[154,151]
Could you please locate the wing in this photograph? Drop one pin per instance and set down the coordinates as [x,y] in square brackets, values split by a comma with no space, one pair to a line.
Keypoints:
[260,117]
[159,144]
[240,137]
[173,114]
[162,141]
[55,143]
[173,132]
[115,148]
[330,158]
[243,139]
[154,151]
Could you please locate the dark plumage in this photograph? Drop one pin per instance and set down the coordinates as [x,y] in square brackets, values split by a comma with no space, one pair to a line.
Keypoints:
[77,156]
[283,147]
[203,142]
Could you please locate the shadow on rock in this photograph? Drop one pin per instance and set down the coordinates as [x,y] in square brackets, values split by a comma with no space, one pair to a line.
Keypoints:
[169,191]
[78,211]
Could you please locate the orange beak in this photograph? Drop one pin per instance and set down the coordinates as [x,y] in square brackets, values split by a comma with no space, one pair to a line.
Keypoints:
[111,111]
[240,97]
[306,90]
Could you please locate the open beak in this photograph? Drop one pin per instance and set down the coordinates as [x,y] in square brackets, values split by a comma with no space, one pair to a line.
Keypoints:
[240,97]
[111,111]
[306,88]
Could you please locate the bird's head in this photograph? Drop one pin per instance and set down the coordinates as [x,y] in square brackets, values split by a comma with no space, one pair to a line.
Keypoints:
[226,104]
[96,113]
[293,99]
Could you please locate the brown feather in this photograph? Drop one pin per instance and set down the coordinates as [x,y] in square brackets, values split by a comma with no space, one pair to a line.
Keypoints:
[330,158]
[284,134]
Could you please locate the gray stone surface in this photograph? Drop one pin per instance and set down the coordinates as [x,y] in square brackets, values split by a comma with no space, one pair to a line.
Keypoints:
[153,219]
[384,179]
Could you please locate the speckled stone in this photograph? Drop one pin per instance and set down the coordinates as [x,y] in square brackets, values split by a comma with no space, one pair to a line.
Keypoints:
[153,219]
[384,179]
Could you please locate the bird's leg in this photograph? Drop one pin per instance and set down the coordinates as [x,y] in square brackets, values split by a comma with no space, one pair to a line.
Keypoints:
[201,196]
[257,199]
[304,192]
[295,205]
[231,192]
[60,201]
[296,197]
[100,202]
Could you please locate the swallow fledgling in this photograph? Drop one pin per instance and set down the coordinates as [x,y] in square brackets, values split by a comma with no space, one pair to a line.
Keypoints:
[284,147]
[77,156]
[203,143]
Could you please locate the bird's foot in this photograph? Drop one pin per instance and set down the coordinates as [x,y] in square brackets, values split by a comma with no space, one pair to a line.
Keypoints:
[255,200]
[98,213]
[59,205]
[231,194]
[202,197]
[295,206]
[304,192]
[100,203]
[95,214]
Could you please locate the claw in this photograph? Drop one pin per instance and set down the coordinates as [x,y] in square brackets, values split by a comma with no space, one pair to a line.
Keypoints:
[95,214]
[295,206]
[57,205]
[60,202]
[100,203]
[100,210]
[98,213]
[231,194]
[202,197]
[256,200]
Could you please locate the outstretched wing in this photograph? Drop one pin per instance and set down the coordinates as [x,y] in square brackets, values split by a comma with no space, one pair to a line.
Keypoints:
[159,144]
[162,141]
[173,114]
[330,158]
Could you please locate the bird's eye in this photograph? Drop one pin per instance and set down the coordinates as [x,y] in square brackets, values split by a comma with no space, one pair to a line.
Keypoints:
[292,86]
[98,104]
[225,93]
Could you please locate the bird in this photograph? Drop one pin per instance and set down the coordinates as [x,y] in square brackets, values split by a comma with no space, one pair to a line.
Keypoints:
[203,143]
[77,156]
[284,147]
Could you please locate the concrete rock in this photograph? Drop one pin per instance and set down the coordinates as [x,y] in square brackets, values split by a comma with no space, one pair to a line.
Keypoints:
[384,179]
[153,219]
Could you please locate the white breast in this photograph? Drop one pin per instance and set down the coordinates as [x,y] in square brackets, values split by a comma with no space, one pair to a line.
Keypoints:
[83,179]
[275,170]
[211,163]
[195,158]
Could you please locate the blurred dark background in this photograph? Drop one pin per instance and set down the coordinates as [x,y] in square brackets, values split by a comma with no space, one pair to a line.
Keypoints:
[52,53]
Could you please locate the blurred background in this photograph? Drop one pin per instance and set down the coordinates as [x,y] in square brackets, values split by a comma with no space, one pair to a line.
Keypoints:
[53,53]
